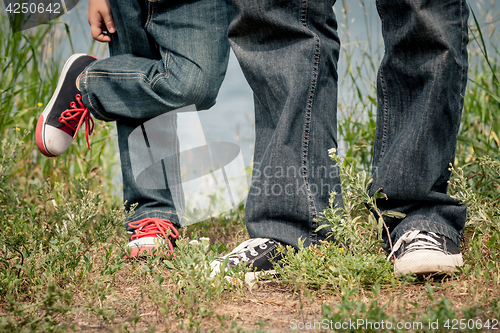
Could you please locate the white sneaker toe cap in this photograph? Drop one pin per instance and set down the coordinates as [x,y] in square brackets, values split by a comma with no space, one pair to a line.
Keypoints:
[56,141]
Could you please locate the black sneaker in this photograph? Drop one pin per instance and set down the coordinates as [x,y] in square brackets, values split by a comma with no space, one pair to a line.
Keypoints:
[421,252]
[60,121]
[256,254]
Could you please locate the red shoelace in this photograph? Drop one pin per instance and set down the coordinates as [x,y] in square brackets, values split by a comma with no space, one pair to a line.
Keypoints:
[154,227]
[73,118]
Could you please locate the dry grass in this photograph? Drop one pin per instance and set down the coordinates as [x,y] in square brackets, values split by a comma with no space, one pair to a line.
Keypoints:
[129,301]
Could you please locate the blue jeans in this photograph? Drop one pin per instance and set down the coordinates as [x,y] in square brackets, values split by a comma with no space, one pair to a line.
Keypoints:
[165,55]
[170,54]
[420,90]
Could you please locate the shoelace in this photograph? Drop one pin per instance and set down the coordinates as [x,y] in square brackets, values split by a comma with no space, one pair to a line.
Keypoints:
[249,245]
[74,118]
[154,227]
[424,242]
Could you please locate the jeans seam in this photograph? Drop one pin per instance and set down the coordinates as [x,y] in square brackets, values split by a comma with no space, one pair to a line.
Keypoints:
[156,79]
[131,75]
[385,114]
[86,89]
[307,123]
[120,75]
[177,167]
[150,14]
[151,11]
[303,13]
[161,75]
[385,106]
[464,35]
[167,61]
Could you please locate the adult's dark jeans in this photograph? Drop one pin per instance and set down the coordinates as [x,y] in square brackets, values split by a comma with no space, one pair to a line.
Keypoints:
[169,54]
[420,92]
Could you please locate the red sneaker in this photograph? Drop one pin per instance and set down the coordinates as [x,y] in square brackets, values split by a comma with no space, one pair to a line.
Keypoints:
[149,234]
[59,123]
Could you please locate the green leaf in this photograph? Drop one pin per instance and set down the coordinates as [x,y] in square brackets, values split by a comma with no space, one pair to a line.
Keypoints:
[169,264]
[391,213]
[492,94]
[379,195]
[323,226]
[492,242]
[380,224]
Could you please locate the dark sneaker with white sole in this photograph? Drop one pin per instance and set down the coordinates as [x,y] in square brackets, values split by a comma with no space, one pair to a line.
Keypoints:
[421,252]
[151,236]
[258,254]
[60,121]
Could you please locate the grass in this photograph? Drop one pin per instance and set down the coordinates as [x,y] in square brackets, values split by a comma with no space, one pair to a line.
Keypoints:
[61,245]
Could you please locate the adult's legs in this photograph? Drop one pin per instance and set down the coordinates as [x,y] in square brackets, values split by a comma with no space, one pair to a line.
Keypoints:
[165,55]
[288,51]
[420,88]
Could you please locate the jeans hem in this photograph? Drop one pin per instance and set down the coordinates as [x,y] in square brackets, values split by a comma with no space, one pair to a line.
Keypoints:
[86,100]
[159,214]
[428,226]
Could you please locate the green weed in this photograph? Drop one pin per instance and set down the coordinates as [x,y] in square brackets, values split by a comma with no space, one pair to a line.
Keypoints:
[62,240]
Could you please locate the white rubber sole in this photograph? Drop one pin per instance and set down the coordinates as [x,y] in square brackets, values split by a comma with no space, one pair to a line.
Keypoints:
[427,262]
[145,246]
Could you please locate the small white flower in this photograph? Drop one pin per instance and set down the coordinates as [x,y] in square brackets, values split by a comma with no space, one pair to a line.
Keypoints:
[205,239]
[332,151]
[194,241]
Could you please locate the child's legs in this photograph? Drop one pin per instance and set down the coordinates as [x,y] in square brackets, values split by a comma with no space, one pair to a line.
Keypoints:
[165,55]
